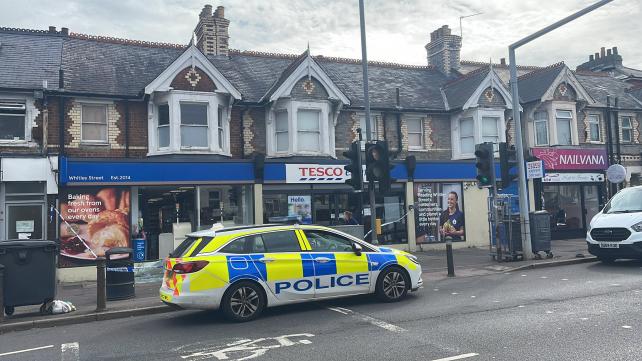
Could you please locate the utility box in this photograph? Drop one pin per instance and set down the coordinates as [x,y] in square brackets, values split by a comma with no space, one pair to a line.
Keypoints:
[29,273]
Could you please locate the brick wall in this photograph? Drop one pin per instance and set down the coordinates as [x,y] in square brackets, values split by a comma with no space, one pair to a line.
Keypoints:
[305,89]
[491,98]
[236,145]
[256,117]
[196,80]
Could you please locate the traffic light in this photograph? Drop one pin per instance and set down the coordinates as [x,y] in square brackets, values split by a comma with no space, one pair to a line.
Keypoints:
[507,160]
[355,168]
[378,165]
[485,164]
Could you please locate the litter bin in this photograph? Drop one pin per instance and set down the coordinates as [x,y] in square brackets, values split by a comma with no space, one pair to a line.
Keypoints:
[29,273]
[541,232]
[119,276]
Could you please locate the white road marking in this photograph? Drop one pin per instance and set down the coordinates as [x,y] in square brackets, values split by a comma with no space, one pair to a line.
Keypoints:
[625,326]
[584,318]
[458,357]
[371,320]
[543,277]
[70,351]
[521,306]
[473,296]
[27,350]
[435,289]
[564,279]
[615,284]
[248,349]
[523,275]
[454,293]
[549,312]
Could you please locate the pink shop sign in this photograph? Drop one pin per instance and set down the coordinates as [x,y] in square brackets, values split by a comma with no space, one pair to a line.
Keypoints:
[572,159]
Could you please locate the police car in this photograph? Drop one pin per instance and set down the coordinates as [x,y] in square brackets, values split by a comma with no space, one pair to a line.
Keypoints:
[242,270]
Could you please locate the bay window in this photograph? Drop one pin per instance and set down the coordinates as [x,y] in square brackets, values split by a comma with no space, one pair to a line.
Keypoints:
[594,127]
[193,125]
[12,121]
[282,133]
[563,120]
[300,128]
[467,135]
[93,123]
[541,128]
[221,131]
[490,132]
[163,126]
[475,126]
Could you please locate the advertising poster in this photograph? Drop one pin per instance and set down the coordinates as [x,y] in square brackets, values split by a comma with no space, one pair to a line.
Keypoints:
[301,208]
[439,214]
[92,221]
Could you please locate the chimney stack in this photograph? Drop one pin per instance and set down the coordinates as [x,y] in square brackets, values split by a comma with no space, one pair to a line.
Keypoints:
[444,50]
[605,60]
[52,29]
[64,31]
[502,61]
[212,31]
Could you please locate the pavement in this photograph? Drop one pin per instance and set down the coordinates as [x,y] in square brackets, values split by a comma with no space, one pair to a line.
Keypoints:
[468,262]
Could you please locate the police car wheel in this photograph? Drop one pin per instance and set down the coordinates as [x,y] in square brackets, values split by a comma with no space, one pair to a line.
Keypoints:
[392,285]
[243,301]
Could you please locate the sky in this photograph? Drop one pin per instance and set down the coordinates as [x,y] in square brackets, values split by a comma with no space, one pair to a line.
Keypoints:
[397,30]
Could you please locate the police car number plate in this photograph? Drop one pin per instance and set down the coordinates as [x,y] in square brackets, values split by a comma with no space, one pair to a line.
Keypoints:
[609,245]
[166,298]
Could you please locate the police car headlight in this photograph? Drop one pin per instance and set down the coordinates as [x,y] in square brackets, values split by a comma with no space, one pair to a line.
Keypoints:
[412,258]
[637,227]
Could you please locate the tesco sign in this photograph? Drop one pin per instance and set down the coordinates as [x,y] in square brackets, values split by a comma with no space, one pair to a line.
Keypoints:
[315,173]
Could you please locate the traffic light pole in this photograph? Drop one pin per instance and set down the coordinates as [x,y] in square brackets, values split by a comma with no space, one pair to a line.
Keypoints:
[523,192]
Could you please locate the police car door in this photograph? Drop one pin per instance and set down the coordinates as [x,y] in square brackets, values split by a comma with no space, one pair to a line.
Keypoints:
[288,275]
[337,269]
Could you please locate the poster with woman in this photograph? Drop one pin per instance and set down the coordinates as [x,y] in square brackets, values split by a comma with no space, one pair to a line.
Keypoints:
[439,212]
[92,221]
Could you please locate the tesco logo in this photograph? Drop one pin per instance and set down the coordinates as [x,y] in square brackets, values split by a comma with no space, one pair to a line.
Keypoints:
[321,172]
[315,173]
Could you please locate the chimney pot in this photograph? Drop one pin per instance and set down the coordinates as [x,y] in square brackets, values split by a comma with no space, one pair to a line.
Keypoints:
[591,58]
[52,29]
[502,61]
[206,12]
[608,52]
[615,50]
[64,31]
[220,12]
[602,52]
[597,56]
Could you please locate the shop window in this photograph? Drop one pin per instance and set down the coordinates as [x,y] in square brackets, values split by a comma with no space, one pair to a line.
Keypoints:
[229,205]
[308,130]
[563,120]
[627,129]
[94,123]
[163,126]
[194,126]
[284,241]
[415,133]
[541,128]
[12,121]
[594,127]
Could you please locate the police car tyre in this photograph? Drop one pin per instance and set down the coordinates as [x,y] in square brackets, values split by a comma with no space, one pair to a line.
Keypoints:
[9,310]
[243,301]
[392,285]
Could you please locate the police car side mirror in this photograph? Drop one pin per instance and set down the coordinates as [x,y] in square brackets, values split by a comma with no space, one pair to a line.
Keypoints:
[357,249]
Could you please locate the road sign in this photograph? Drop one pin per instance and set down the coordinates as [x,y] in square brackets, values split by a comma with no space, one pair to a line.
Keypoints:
[535,169]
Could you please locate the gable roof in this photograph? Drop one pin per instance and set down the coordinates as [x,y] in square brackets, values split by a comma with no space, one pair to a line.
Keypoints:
[458,91]
[601,85]
[29,57]
[286,74]
[533,85]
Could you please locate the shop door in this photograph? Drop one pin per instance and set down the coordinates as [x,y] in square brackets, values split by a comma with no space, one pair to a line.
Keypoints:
[25,221]
[564,204]
[591,203]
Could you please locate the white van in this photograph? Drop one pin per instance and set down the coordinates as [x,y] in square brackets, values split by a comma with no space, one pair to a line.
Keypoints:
[616,232]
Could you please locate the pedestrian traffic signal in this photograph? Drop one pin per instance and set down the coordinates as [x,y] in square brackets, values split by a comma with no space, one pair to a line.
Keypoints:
[378,165]
[507,161]
[354,167]
[485,164]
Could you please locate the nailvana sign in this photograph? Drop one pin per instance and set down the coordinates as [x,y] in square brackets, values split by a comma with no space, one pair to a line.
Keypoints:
[572,159]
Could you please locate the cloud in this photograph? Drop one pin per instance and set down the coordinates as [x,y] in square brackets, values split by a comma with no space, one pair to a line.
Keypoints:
[397,31]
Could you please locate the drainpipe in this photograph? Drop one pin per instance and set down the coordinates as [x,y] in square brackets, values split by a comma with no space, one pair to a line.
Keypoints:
[45,122]
[61,114]
[399,142]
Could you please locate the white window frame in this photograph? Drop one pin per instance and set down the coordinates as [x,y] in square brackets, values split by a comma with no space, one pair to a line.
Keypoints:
[220,127]
[318,132]
[477,114]
[326,128]
[206,126]
[629,128]
[18,103]
[373,128]
[570,125]
[421,133]
[174,98]
[105,106]
[594,119]
[546,124]
[286,131]
[168,126]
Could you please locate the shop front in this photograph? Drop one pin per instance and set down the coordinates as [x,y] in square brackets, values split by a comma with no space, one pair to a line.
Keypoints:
[572,190]
[147,205]
[28,193]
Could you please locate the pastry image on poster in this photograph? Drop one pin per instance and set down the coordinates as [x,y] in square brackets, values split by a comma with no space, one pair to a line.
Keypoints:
[92,221]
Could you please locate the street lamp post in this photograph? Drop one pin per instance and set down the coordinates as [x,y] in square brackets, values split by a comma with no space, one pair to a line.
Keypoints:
[523,194]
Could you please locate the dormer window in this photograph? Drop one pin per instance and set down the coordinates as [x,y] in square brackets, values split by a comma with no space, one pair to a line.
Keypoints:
[476,126]
[301,128]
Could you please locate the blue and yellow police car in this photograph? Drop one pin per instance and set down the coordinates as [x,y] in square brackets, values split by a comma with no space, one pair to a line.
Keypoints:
[242,270]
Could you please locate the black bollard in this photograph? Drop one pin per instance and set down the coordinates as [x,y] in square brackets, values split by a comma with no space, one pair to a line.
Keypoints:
[101,293]
[449,258]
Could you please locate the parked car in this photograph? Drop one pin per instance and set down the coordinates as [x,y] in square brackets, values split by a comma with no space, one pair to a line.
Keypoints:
[616,232]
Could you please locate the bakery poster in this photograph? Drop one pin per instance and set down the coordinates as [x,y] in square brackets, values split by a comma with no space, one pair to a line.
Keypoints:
[92,221]
[439,213]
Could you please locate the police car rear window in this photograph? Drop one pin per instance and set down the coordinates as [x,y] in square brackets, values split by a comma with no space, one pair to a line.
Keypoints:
[184,248]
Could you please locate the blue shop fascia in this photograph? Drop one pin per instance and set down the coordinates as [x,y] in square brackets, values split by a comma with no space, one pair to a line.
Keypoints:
[109,202]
